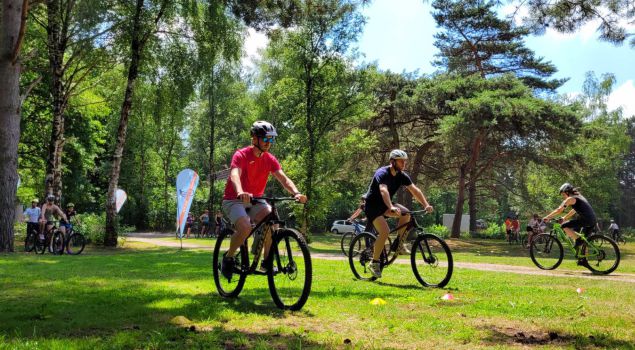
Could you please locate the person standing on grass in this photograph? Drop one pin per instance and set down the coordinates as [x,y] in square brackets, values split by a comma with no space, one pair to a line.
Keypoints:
[204,218]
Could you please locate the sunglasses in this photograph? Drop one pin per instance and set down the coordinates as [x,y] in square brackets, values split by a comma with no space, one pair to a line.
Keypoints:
[271,139]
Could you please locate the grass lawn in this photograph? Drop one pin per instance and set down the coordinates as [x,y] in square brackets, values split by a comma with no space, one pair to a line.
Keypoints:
[132,297]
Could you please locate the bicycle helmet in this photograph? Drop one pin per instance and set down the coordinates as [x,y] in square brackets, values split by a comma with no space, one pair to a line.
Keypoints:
[263,129]
[50,197]
[398,154]
[70,205]
[566,188]
[35,200]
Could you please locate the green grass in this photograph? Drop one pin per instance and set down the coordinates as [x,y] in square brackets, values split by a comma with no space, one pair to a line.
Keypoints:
[126,298]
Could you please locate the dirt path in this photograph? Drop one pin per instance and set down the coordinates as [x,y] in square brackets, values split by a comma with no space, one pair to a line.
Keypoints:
[159,240]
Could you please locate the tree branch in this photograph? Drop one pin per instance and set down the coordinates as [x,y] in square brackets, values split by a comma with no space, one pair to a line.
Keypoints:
[29,88]
[18,43]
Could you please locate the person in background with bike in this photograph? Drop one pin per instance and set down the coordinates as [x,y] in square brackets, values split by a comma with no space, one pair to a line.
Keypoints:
[614,230]
[250,169]
[50,211]
[32,217]
[204,218]
[71,215]
[385,183]
[219,223]
[189,221]
[508,228]
[534,227]
[362,203]
[585,222]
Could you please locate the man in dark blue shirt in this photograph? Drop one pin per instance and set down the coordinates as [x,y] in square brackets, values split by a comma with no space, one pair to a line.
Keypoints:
[386,181]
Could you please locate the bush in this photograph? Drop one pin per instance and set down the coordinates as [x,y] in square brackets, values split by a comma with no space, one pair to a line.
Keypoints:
[19,230]
[93,226]
[493,231]
[628,232]
[438,230]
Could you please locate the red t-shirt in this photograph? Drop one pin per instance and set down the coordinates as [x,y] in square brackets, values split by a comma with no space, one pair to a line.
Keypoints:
[254,172]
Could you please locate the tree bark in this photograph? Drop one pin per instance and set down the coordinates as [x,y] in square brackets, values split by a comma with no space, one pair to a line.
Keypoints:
[471,191]
[10,110]
[110,238]
[310,128]
[460,199]
[212,131]
[56,32]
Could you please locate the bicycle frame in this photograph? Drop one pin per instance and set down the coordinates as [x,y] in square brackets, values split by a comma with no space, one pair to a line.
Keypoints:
[559,233]
[267,225]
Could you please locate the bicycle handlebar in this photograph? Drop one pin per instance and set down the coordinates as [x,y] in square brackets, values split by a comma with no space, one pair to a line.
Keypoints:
[273,199]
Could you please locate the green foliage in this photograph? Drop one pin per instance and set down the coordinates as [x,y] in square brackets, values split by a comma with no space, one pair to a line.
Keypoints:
[438,230]
[93,227]
[493,231]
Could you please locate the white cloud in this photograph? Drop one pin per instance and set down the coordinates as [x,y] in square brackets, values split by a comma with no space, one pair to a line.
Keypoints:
[254,43]
[624,97]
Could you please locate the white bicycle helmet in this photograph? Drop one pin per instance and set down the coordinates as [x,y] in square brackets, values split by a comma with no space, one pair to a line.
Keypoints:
[398,154]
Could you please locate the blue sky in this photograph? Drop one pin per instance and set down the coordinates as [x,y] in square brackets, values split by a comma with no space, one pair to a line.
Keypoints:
[398,35]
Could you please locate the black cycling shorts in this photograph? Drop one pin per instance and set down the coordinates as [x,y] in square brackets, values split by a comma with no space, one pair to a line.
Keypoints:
[580,226]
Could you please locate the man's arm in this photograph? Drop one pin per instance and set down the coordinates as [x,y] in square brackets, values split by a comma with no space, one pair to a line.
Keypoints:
[385,195]
[60,213]
[416,192]
[234,177]
[288,185]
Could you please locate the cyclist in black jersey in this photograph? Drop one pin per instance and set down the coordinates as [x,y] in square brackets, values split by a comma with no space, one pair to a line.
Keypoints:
[585,222]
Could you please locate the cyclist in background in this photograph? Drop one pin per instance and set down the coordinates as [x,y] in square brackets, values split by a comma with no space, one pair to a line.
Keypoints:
[385,183]
[586,221]
[49,212]
[362,204]
[614,230]
[31,216]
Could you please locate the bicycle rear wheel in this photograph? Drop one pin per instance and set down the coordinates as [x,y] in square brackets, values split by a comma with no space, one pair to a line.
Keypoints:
[30,242]
[346,242]
[546,251]
[76,244]
[431,261]
[57,246]
[229,288]
[602,254]
[289,270]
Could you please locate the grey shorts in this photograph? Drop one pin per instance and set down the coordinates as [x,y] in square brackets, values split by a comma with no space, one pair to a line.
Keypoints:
[236,209]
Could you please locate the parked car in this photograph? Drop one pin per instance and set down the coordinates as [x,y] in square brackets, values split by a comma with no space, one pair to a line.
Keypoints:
[343,226]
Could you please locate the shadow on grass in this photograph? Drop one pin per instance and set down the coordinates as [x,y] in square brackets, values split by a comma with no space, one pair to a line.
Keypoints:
[509,336]
[100,294]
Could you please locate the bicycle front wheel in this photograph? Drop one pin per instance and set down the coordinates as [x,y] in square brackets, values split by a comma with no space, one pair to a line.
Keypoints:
[289,270]
[76,244]
[431,261]
[546,251]
[345,244]
[602,254]
[229,288]
[361,255]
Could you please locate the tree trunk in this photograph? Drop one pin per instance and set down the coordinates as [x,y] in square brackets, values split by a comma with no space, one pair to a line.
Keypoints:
[10,105]
[471,192]
[56,48]
[212,130]
[460,199]
[110,239]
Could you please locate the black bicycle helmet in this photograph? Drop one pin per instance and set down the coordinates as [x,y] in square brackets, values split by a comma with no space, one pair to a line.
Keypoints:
[566,188]
[263,129]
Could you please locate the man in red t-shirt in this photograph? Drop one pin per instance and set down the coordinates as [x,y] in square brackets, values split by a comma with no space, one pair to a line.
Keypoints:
[250,169]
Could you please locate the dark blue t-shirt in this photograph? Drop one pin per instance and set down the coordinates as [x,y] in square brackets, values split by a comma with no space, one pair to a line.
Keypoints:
[374,201]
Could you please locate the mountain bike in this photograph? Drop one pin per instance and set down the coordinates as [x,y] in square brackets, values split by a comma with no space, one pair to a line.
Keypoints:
[287,266]
[617,236]
[601,252]
[32,233]
[430,257]
[51,239]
